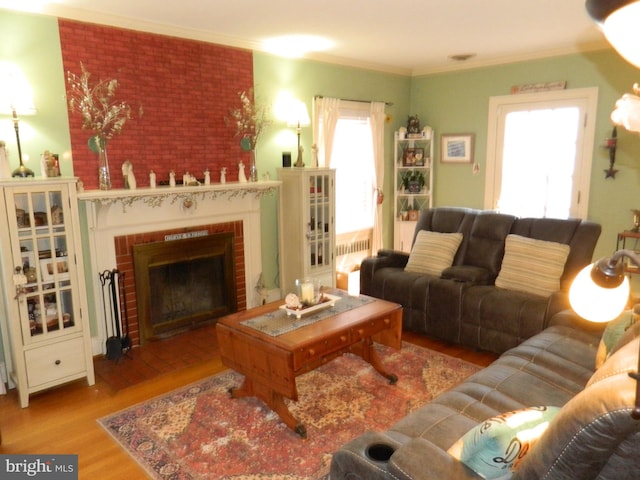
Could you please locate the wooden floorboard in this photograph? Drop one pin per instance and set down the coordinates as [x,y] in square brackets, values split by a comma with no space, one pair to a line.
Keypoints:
[63,420]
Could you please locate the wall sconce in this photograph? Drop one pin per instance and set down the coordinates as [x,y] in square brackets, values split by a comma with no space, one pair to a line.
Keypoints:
[611,144]
[600,292]
[15,97]
[298,117]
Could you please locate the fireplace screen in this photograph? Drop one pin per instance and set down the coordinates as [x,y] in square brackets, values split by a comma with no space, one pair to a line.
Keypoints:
[182,283]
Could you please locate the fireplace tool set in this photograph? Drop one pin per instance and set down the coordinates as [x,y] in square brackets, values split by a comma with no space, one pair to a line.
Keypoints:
[114,302]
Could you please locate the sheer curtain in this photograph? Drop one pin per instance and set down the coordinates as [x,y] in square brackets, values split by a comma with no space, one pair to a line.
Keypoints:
[377,120]
[333,113]
[326,112]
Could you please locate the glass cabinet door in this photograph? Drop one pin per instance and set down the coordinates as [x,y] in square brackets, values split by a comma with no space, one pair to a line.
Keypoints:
[320,224]
[46,299]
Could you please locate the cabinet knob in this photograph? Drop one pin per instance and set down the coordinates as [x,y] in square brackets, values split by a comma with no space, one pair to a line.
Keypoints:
[58,362]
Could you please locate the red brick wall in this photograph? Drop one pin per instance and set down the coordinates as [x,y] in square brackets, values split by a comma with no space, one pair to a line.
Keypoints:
[124,259]
[185,89]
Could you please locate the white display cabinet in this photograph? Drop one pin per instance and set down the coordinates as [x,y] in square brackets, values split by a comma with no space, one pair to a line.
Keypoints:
[46,337]
[307,226]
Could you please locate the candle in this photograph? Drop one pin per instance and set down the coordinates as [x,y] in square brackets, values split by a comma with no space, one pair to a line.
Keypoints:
[306,293]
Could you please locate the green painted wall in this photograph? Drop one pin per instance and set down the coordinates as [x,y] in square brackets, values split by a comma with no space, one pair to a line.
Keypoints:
[450,102]
[304,79]
[31,42]
[458,103]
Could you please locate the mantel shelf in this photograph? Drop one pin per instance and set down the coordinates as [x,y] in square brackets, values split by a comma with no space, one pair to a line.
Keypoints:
[155,197]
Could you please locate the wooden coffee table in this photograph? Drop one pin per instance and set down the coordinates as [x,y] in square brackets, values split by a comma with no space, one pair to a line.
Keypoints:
[270,364]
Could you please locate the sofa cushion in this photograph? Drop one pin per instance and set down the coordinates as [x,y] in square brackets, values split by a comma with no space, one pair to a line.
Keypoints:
[494,448]
[532,266]
[613,334]
[432,252]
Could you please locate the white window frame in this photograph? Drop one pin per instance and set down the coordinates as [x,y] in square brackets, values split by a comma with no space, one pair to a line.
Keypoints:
[585,98]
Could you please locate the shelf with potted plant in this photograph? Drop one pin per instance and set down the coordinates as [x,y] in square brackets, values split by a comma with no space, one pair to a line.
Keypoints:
[413,182]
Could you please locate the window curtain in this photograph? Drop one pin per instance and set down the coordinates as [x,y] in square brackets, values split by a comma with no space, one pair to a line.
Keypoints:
[377,119]
[326,112]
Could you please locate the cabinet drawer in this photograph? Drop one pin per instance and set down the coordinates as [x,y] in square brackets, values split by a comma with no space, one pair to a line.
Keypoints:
[320,348]
[54,362]
[369,329]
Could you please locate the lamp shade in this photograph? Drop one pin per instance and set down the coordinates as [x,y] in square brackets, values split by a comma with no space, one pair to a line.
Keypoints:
[619,20]
[15,92]
[596,303]
[298,115]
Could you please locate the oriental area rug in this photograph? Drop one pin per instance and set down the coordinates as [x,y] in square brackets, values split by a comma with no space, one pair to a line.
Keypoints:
[199,432]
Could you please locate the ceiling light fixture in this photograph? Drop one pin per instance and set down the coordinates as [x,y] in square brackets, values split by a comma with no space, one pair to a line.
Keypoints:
[619,20]
[296,46]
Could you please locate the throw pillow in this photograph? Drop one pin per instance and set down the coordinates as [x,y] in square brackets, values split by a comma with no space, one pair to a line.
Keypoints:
[612,335]
[495,447]
[532,266]
[432,252]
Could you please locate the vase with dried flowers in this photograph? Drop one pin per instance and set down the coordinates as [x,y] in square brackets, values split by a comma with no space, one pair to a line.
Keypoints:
[101,113]
[249,120]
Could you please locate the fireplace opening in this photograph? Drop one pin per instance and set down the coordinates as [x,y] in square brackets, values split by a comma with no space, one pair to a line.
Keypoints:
[184,283]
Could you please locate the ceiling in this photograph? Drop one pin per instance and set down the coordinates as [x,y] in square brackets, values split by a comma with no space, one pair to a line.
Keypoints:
[406,37]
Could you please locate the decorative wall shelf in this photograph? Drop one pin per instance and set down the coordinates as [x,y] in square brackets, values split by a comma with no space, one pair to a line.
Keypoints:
[188,196]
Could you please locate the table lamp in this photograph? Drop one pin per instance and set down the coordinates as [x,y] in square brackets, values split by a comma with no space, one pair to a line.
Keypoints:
[15,97]
[298,117]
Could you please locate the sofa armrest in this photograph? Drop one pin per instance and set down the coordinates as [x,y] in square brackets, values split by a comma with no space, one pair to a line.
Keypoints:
[385,259]
[421,459]
[414,460]
[390,258]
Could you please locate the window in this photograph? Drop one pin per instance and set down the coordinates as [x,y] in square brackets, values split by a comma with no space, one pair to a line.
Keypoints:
[353,160]
[539,153]
[349,134]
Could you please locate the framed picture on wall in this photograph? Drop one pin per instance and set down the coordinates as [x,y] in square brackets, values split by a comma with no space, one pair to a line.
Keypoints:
[456,148]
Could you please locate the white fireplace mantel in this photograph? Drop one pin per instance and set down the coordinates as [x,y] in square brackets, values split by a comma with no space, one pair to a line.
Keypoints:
[156,197]
[112,213]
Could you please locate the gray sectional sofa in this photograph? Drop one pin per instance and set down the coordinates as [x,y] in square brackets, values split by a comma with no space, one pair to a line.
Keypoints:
[463,304]
[592,437]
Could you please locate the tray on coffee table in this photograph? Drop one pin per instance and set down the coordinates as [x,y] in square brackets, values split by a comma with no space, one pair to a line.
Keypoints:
[299,312]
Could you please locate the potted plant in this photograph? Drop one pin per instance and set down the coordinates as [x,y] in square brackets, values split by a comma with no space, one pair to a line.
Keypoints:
[413,181]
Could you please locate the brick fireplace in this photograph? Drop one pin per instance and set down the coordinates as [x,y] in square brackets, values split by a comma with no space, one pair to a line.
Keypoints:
[116,220]
[125,263]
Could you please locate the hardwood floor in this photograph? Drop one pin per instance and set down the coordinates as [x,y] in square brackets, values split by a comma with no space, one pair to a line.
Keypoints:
[63,420]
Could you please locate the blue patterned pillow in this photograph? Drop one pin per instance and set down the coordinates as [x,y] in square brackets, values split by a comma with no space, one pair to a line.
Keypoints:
[494,448]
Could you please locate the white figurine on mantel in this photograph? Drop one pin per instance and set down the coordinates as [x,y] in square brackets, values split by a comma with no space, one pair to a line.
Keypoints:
[314,155]
[152,179]
[172,178]
[207,177]
[223,175]
[242,178]
[129,177]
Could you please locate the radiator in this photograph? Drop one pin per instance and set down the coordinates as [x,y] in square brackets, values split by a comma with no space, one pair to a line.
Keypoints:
[358,246]
[350,254]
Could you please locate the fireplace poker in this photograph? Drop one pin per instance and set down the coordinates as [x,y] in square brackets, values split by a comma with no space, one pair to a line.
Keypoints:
[114,344]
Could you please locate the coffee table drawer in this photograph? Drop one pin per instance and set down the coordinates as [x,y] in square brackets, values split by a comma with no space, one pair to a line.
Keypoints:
[316,350]
[370,328]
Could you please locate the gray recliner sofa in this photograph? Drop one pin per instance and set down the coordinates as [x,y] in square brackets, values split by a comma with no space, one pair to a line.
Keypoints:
[592,437]
[463,305]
